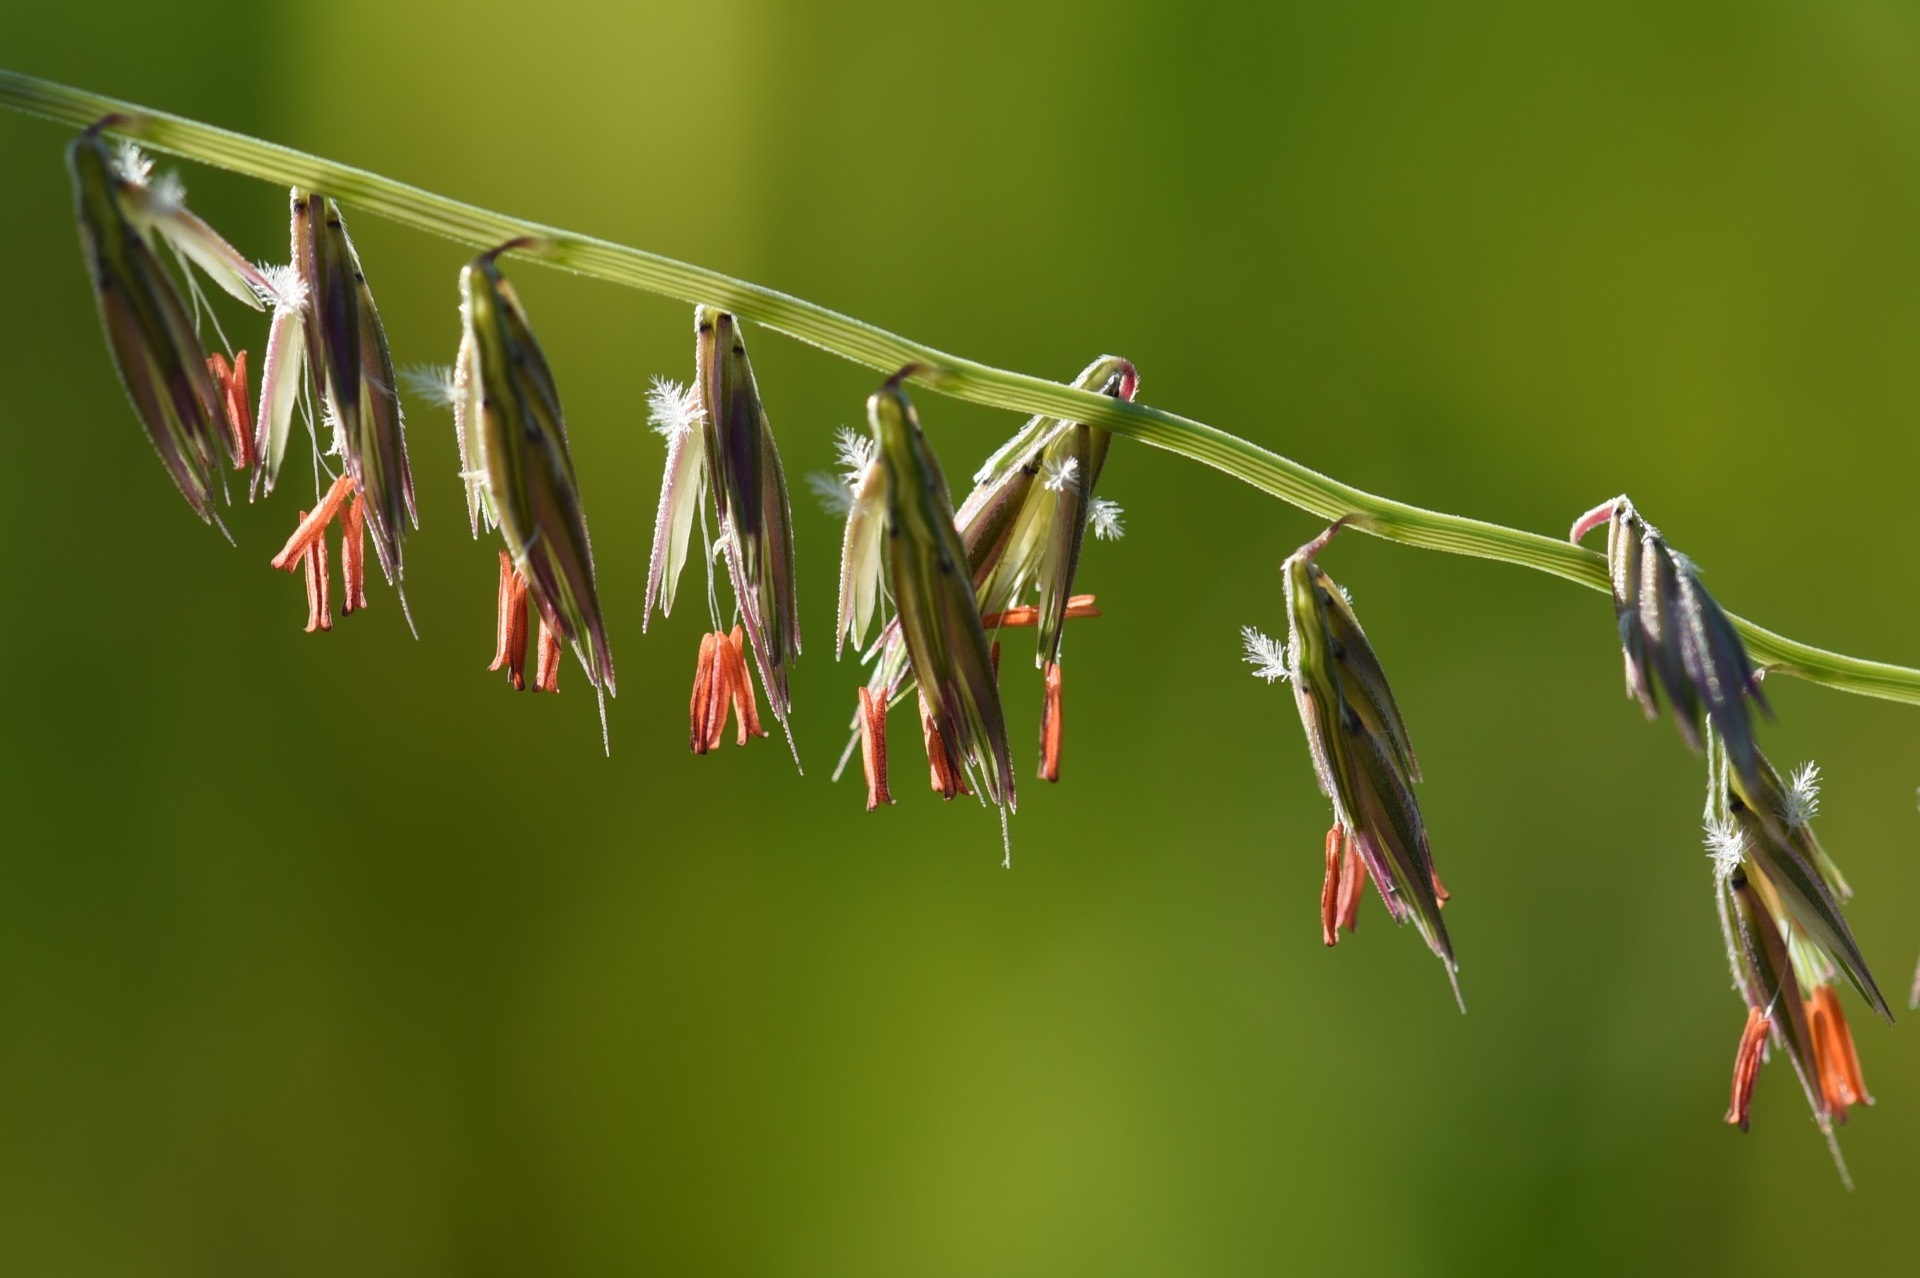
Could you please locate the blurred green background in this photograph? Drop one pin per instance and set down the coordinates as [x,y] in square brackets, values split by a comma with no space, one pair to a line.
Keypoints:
[326,955]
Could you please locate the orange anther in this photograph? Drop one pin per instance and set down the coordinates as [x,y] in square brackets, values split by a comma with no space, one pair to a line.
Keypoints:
[353,555]
[319,610]
[943,767]
[873,748]
[1028,615]
[746,709]
[1353,885]
[510,625]
[503,625]
[1746,1065]
[1052,727]
[1330,891]
[313,526]
[546,661]
[232,380]
[707,711]
[1835,1061]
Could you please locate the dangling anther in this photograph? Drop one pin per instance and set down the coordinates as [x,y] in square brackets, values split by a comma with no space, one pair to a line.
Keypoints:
[313,527]
[546,661]
[1835,1061]
[232,381]
[1746,1065]
[503,625]
[319,610]
[510,627]
[1353,885]
[1052,727]
[873,748]
[353,555]
[943,768]
[707,711]
[1330,891]
[746,708]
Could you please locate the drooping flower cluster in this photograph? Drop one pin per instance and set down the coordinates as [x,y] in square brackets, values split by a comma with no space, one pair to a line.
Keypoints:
[1778,892]
[192,404]
[326,339]
[1779,897]
[520,478]
[720,445]
[1021,528]
[904,533]
[1362,757]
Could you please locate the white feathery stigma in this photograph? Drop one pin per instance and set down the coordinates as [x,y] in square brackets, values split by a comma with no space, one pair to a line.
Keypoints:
[672,409]
[431,382]
[1803,795]
[1105,516]
[131,164]
[330,416]
[1056,478]
[854,452]
[832,491]
[1267,655]
[282,287]
[1726,844]
[167,192]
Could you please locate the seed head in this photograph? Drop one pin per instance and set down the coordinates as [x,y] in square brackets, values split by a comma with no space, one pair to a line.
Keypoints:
[720,444]
[1361,756]
[508,393]
[1778,896]
[946,645]
[749,489]
[150,330]
[352,375]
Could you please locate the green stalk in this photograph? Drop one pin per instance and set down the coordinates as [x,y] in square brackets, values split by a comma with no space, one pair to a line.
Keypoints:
[862,343]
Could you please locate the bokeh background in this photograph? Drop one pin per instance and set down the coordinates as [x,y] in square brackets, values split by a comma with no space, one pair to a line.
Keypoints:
[326,954]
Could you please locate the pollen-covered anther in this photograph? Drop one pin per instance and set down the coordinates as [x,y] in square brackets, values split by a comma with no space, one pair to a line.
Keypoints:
[873,748]
[353,557]
[510,634]
[1052,724]
[1835,1061]
[1027,615]
[232,382]
[1746,1065]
